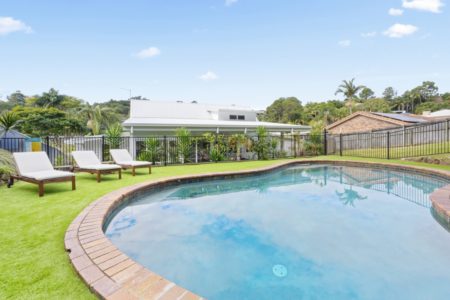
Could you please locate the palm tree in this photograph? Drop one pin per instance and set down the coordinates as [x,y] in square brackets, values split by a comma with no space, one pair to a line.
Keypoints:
[98,117]
[350,91]
[8,120]
[236,141]
[184,143]
[349,196]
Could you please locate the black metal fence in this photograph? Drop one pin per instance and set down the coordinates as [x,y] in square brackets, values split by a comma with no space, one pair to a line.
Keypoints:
[166,150]
[408,141]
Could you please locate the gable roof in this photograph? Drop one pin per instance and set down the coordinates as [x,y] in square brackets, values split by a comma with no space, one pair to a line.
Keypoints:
[12,134]
[180,110]
[394,119]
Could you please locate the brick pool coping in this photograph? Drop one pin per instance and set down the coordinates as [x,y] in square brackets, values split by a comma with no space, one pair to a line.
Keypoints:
[111,274]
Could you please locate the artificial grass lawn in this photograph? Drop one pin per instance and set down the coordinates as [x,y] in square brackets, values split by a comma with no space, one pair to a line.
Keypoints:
[33,263]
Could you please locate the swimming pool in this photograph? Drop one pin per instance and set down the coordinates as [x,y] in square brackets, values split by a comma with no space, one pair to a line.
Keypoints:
[302,232]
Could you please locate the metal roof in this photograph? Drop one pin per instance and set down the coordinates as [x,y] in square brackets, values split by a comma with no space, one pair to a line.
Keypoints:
[161,122]
[402,117]
[12,134]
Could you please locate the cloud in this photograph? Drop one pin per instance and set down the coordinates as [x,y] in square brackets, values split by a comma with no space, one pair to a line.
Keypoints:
[9,25]
[426,5]
[230,2]
[149,52]
[209,76]
[369,34]
[345,43]
[396,12]
[400,30]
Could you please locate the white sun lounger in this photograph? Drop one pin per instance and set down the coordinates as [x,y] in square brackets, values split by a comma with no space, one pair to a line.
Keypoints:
[35,167]
[123,158]
[87,161]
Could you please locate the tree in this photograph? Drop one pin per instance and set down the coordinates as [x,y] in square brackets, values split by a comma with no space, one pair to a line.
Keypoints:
[5,106]
[284,110]
[349,90]
[235,142]
[8,120]
[376,105]
[389,94]
[98,117]
[184,143]
[262,144]
[113,135]
[16,98]
[52,98]
[366,93]
[38,121]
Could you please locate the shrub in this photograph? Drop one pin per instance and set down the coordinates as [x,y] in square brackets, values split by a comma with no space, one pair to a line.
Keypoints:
[184,143]
[7,166]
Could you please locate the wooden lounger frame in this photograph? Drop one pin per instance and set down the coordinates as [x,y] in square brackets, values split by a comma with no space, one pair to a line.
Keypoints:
[41,183]
[133,168]
[99,173]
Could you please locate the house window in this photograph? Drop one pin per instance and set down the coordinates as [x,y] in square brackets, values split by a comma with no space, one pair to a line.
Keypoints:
[241,117]
[233,117]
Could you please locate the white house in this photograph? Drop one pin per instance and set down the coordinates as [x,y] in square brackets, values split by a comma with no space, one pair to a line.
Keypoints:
[442,114]
[149,118]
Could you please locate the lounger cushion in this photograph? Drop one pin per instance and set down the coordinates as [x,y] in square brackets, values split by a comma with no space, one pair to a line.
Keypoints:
[134,163]
[29,162]
[101,167]
[43,175]
[120,155]
[85,158]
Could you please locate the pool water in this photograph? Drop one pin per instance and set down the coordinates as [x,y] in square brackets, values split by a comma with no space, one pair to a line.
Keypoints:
[303,232]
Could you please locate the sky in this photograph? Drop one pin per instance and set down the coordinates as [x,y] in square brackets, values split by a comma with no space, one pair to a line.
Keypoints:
[244,52]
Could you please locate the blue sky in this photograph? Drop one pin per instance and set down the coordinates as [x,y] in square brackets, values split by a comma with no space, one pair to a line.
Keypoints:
[247,52]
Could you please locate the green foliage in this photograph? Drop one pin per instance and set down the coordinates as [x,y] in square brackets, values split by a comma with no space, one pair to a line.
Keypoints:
[52,98]
[217,146]
[273,148]
[261,145]
[5,106]
[184,143]
[8,120]
[350,91]
[432,106]
[16,98]
[366,93]
[152,151]
[411,99]
[235,142]
[7,166]
[376,105]
[314,143]
[329,111]
[120,108]
[113,135]
[37,121]
[389,94]
[284,110]
[98,117]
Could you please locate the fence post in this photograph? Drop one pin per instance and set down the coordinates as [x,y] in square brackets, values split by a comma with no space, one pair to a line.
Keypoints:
[196,150]
[294,137]
[388,144]
[447,130]
[165,150]
[340,144]
[103,148]
[47,146]
[325,146]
